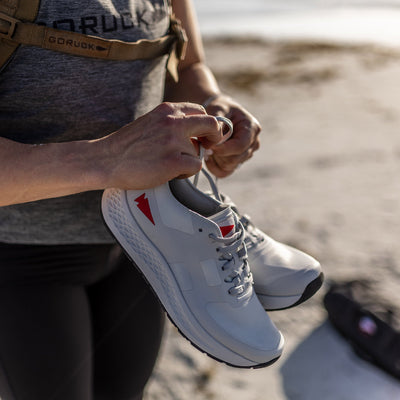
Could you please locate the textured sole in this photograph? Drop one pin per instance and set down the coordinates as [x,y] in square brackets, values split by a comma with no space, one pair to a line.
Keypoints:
[138,248]
[309,291]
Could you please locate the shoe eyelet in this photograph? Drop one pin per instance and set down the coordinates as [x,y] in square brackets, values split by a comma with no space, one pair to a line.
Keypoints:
[200,230]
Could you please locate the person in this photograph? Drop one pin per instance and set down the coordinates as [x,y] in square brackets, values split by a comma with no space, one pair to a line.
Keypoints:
[77,321]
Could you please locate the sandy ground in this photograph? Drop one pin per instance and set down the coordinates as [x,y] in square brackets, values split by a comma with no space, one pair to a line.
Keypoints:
[325,181]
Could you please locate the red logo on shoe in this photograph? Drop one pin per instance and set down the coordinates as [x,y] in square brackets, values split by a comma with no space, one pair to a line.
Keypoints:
[225,230]
[144,206]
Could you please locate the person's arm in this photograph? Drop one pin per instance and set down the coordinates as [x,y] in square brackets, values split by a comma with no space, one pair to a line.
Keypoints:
[197,84]
[149,151]
[196,81]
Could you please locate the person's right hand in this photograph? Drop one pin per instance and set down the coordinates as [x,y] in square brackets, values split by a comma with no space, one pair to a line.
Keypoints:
[158,146]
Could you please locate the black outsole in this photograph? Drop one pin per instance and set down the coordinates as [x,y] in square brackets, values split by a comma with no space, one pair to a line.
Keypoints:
[257,366]
[309,291]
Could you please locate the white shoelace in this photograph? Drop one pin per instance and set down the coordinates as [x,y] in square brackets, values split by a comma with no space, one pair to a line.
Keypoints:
[233,252]
[225,137]
[253,237]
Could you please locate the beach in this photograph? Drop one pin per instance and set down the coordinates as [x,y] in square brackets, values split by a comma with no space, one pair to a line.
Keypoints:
[350,21]
[325,180]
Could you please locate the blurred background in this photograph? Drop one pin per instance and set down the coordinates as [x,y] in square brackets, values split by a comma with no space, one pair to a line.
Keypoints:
[372,21]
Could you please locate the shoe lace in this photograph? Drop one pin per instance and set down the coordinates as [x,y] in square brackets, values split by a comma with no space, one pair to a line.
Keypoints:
[254,236]
[233,254]
[211,181]
[233,249]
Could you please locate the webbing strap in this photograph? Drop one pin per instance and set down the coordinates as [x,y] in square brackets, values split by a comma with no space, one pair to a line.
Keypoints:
[14,31]
[21,9]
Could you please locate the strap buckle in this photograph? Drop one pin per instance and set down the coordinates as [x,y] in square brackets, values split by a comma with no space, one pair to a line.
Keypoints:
[179,32]
[7,26]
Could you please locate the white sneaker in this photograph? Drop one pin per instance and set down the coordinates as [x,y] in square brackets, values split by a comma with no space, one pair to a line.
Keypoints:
[190,249]
[283,276]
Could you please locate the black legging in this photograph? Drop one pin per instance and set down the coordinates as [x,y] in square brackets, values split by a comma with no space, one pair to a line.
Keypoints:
[77,322]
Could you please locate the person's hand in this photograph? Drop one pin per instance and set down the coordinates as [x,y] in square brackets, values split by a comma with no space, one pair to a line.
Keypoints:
[243,143]
[159,146]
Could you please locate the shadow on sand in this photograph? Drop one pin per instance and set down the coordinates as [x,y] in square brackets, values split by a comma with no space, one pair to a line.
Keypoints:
[324,366]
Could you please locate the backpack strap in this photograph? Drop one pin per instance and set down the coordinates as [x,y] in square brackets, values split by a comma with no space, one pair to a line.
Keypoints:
[16,28]
[19,9]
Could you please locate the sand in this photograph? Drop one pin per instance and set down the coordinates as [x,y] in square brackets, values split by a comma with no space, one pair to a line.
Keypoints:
[326,181]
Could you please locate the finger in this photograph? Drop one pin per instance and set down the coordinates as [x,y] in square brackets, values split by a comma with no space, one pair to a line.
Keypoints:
[221,108]
[231,163]
[174,164]
[215,169]
[245,136]
[204,127]
[190,148]
[181,109]
[196,145]
[190,108]
[189,166]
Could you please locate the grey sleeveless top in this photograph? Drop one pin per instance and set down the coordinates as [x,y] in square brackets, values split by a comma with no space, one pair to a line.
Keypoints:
[47,96]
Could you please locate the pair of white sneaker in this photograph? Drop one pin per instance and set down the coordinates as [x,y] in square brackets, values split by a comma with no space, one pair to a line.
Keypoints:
[196,251]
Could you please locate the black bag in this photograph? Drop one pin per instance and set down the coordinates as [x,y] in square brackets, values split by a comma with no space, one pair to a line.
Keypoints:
[367,321]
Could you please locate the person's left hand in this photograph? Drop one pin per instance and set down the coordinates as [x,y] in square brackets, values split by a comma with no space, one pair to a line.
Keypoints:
[228,156]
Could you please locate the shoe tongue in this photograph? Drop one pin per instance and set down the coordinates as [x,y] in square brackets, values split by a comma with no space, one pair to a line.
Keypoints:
[226,222]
